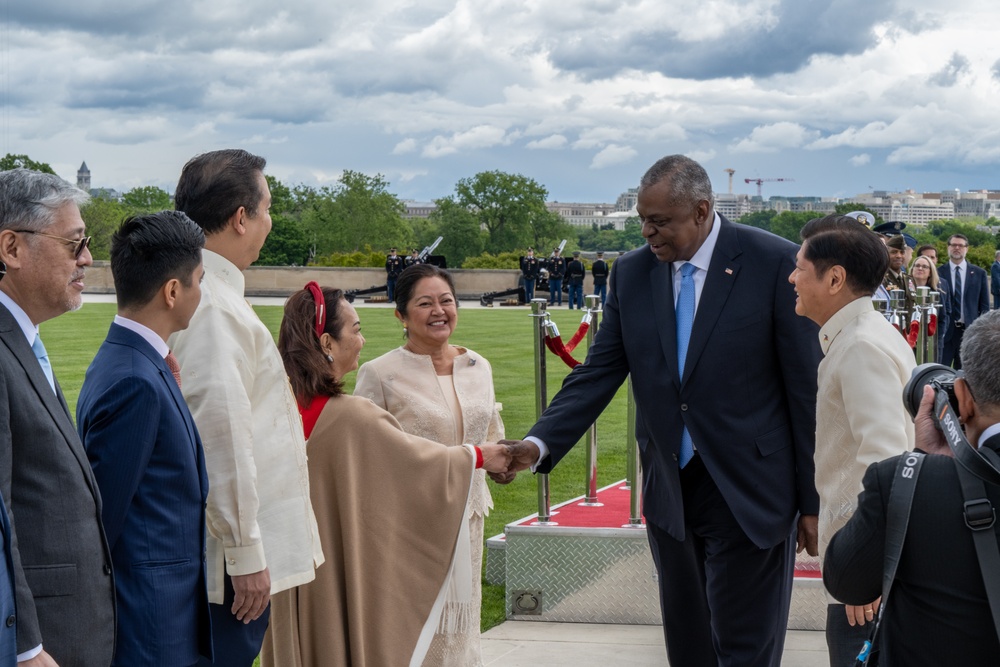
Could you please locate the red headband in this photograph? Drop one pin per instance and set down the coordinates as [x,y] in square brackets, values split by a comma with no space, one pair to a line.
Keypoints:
[317,294]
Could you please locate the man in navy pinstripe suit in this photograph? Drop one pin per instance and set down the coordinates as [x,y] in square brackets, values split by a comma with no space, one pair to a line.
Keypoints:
[144,447]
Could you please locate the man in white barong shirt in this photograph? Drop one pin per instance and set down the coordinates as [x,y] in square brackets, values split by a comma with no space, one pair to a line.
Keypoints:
[262,531]
[860,418]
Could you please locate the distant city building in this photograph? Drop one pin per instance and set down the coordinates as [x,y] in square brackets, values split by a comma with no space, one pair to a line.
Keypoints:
[627,200]
[418,209]
[83,178]
[587,215]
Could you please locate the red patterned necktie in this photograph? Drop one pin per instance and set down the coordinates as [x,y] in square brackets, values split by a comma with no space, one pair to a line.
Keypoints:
[174,367]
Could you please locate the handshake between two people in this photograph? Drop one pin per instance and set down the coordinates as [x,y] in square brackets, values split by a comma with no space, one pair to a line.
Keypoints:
[504,459]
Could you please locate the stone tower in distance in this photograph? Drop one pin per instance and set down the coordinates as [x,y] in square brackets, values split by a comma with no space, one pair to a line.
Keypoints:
[83,178]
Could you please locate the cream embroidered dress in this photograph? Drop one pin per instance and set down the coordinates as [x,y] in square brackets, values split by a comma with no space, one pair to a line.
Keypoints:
[453,410]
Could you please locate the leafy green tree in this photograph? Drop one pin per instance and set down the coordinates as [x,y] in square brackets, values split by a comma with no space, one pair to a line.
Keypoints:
[147,199]
[511,208]
[103,217]
[463,237]
[358,211]
[287,244]
[788,224]
[11,161]
[759,219]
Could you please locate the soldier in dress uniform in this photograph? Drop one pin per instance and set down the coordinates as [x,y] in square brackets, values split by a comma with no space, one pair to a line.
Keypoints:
[557,269]
[574,279]
[393,267]
[414,258]
[600,272]
[896,278]
[529,272]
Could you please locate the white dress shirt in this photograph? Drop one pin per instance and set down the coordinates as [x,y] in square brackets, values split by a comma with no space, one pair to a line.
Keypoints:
[259,511]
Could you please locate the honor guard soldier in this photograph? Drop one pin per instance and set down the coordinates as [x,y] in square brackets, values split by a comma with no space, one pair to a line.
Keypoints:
[600,272]
[529,272]
[897,278]
[574,279]
[557,269]
[414,258]
[393,267]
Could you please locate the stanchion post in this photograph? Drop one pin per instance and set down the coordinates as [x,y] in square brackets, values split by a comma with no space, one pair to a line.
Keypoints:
[923,320]
[634,469]
[540,317]
[590,500]
[932,338]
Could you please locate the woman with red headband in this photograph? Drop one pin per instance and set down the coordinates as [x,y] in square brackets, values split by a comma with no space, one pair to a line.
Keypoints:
[391,508]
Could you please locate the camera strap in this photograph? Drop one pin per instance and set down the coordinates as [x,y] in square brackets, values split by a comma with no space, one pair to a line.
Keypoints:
[976,468]
[897,519]
[980,517]
[969,458]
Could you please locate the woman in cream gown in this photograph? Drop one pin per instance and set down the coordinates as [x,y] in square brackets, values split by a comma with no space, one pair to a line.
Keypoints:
[444,393]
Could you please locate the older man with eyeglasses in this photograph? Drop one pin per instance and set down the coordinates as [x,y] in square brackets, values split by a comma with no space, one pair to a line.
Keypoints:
[60,558]
[970,297]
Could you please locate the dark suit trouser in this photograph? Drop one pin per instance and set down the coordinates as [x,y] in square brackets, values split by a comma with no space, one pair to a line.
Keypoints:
[950,353]
[724,600]
[236,644]
[843,641]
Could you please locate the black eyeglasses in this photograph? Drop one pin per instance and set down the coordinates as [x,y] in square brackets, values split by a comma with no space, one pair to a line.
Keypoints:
[79,245]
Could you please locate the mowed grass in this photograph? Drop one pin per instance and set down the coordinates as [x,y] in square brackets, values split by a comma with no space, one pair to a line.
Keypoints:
[503,335]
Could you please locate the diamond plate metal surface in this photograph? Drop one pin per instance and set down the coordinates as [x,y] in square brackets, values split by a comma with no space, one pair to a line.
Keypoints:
[496,561]
[606,575]
[586,575]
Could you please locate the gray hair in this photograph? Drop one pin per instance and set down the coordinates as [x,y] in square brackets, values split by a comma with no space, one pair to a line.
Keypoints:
[997,255]
[980,351]
[689,182]
[29,199]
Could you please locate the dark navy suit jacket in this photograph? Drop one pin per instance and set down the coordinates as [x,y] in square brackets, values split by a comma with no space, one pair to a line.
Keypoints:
[748,395]
[148,461]
[975,293]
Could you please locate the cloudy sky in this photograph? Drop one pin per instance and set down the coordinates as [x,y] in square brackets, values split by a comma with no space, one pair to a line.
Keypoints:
[842,96]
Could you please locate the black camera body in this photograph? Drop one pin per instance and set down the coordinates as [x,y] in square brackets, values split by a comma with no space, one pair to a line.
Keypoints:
[941,377]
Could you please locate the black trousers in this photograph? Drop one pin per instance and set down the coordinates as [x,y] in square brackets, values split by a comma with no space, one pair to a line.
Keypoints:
[724,600]
[950,351]
[843,640]
[236,644]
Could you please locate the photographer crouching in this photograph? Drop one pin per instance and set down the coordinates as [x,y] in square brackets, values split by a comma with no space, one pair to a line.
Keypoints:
[939,612]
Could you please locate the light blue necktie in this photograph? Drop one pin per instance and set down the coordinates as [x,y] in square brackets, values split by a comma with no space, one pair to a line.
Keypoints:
[38,347]
[685,318]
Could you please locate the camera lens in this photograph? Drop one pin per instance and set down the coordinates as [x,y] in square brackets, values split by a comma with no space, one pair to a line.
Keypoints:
[922,375]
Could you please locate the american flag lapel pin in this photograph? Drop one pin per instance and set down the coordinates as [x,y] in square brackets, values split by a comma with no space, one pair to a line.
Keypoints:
[729,272]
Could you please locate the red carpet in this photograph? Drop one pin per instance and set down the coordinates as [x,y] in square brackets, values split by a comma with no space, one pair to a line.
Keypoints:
[614,513]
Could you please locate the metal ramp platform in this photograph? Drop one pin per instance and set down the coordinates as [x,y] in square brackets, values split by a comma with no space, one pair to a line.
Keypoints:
[592,567]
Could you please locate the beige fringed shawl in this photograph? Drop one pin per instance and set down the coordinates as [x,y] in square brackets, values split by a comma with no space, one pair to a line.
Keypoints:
[390,507]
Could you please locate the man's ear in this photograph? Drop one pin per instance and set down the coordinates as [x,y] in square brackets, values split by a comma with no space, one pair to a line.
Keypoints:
[10,248]
[702,211]
[836,279]
[966,403]
[169,292]
[237,221]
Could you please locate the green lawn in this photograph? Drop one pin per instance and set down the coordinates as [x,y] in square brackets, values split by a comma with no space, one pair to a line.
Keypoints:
[502,335]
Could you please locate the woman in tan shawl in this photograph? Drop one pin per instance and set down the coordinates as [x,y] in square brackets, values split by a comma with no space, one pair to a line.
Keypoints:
[391,509]
[444,393]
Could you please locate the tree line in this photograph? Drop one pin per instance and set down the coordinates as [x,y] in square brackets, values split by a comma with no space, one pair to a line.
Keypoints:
[487,222]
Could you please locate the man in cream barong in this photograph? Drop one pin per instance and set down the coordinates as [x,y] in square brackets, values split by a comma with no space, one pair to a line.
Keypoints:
[860,417]
[262,531]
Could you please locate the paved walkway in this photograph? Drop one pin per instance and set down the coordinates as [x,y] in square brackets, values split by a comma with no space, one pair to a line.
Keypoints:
[530,644]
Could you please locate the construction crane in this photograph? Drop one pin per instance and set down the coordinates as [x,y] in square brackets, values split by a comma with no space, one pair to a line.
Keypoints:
[730,172]
[758,181]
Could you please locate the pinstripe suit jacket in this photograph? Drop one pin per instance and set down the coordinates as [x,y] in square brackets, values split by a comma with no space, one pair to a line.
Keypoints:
[62,566]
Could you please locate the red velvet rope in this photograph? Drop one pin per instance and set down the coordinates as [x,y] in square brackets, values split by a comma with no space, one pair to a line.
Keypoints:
[563,351]
[915,328]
